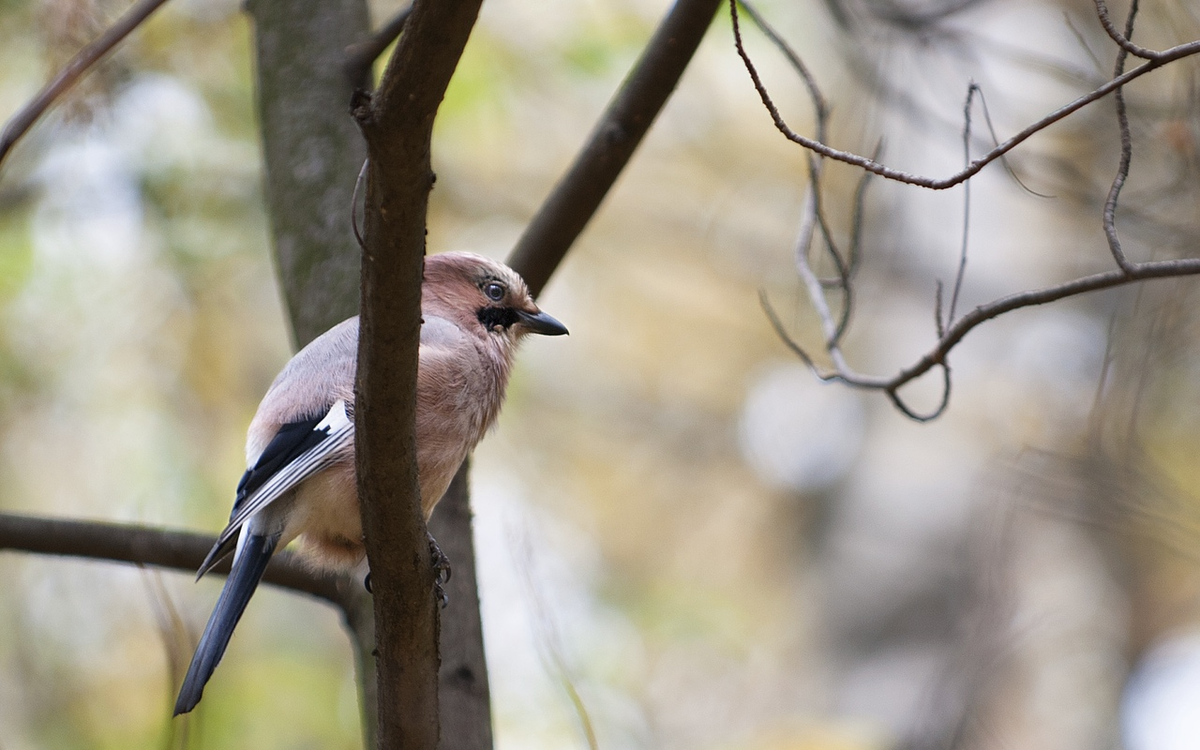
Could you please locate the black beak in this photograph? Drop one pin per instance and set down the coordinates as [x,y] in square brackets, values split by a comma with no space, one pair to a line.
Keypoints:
[542,323]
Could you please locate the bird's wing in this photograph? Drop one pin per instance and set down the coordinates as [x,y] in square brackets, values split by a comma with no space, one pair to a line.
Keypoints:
[298,450]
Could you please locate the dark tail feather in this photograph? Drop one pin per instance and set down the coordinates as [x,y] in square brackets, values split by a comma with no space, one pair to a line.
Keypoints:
[248,567]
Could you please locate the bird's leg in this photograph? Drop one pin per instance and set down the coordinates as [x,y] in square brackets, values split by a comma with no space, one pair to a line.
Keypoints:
[441,569]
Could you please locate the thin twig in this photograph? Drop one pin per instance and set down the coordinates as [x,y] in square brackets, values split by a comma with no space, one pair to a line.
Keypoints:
[936,357]
[961,274]
[899,403]
[950,331]
[1124,40]
[362,174]
[939,323]
[814,212]
[23,120]
[810,81]
[1114,191]
[854,254]
[1160,59]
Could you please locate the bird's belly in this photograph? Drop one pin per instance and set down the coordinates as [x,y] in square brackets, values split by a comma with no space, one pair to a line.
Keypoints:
[326,518]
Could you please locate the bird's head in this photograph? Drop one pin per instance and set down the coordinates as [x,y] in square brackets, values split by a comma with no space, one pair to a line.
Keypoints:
[484,295]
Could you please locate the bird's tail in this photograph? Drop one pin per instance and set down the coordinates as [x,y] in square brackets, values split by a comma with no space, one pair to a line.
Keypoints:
[248,566]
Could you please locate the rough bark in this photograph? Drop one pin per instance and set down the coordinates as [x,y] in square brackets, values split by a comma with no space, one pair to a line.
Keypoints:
[398,125]
[312,152]
[463,693]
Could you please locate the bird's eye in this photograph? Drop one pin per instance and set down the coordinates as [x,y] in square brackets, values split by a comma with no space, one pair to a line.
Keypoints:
[494,291]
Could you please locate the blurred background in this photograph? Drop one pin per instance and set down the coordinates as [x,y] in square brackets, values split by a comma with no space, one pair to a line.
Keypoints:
[675,519]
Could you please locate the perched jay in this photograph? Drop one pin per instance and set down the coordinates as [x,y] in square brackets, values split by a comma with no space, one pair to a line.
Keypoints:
[300,445]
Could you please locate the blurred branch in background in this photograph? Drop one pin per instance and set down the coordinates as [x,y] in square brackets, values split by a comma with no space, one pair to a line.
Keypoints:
[22,121]
[1158,60]
[950,331]
[577,196]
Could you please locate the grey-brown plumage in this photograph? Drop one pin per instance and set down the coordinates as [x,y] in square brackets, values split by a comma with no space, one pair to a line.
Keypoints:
[300,446]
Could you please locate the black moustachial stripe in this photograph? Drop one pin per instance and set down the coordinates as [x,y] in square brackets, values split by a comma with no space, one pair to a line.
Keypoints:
[497,316]
[292,439]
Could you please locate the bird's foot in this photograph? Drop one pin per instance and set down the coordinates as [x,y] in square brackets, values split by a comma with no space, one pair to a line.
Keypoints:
[441,570]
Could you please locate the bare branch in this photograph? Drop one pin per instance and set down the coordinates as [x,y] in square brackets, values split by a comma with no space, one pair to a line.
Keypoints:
[961,274]
[1114,192]
[22,121]
[1123,40]
[1159,60]
[810,82]
[1106,280]
[143,545]
[936,357]
[949,330]
[397,123]
[579,193]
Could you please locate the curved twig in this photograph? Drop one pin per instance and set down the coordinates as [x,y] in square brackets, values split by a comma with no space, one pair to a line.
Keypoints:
[1159,60]
[1123,40]
[1114,192]
[906,410]
[961,274]
[936,356]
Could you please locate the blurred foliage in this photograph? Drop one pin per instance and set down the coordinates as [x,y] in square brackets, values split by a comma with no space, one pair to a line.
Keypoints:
[705,574]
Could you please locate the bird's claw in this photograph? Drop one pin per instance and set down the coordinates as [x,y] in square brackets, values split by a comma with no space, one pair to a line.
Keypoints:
[441,570]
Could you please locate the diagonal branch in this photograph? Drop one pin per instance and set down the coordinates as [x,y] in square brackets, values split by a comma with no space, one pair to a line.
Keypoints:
[22,121]
[579,193]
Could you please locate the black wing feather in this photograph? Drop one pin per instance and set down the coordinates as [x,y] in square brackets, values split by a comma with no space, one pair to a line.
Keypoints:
[292,439]
[291,442]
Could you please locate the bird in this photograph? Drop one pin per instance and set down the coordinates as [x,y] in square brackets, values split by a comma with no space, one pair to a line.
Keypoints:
[300,480]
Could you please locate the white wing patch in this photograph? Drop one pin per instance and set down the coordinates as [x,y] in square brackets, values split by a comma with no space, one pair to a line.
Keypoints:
[320,456]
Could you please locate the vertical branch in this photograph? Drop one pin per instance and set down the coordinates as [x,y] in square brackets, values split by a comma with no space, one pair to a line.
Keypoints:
[961,274]
[463,682]
[398,126]
[1114,192]
[312,152]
